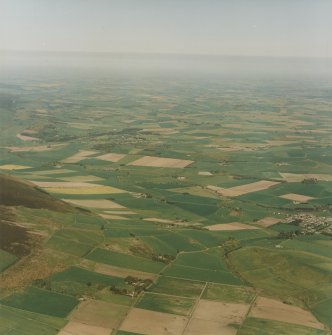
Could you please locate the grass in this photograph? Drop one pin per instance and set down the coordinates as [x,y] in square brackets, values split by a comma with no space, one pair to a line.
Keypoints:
[68,246]
[313,248]
[166,303]
[123,260]
[207,275]
[255,326]
[41,301]
[79,275]
[15,321]
[177,286]
[201,260]
[81,236]
[205,238]
[6,260]
[323,311]
[228,293]
[290,275]
[158,247]
[179,242]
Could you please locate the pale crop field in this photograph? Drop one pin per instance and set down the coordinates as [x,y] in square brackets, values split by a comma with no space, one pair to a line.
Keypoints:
[85,190]
[111,157]
[243,189]
[27,138]
[98,313]
[14,167]
[161,162]
[113,217]
[66,187]
[298,177]
[153,323]
[216,317]
[116,271]
[35,148]
[64,184]
[230,226]
[296,197]
[78,328]
[82,154]
[267,222]
[271,309]
[99,204]
[205,173]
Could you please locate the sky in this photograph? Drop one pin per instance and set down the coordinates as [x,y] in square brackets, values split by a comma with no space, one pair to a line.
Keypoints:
[278,28]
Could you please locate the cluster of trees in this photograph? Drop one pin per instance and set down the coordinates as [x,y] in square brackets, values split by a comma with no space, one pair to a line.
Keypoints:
[163,258]
[137,286]
[289,234]
[310,181]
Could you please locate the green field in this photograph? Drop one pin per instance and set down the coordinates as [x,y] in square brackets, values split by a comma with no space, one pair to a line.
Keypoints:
[6,260]
[20,322]
[214,276]
[176,286]
[253,326]
[41,301]
[166,303]
[123,260]
[154,237]
[228,293]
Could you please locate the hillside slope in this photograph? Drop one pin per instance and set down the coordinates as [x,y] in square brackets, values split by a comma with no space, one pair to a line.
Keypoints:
[15,192]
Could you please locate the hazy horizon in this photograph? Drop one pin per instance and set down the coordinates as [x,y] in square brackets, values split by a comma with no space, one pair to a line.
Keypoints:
[300,28]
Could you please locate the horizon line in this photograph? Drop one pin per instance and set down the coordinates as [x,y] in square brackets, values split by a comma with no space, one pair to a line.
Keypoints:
[141,53]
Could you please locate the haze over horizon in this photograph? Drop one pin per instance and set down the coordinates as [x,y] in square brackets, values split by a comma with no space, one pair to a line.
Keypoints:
[255,28]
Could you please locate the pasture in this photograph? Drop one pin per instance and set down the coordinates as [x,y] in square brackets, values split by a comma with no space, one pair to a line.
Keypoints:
[41,301]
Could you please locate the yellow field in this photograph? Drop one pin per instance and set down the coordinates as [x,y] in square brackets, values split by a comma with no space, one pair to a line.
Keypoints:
[159,220]
[55,171]
[64,184]
[230,226]
[161,162]
[85,190]
[82,154]
[14,167]
[267,222]
[298,177]
[243,189]
[111,157]
[35,148]
[120,212]
[296,197]
[113,217]
[116,271]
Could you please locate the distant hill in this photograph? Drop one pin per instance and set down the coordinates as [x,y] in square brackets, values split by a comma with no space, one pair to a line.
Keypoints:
[15,192]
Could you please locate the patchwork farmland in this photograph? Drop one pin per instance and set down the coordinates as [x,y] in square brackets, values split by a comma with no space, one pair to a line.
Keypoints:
[132,207]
